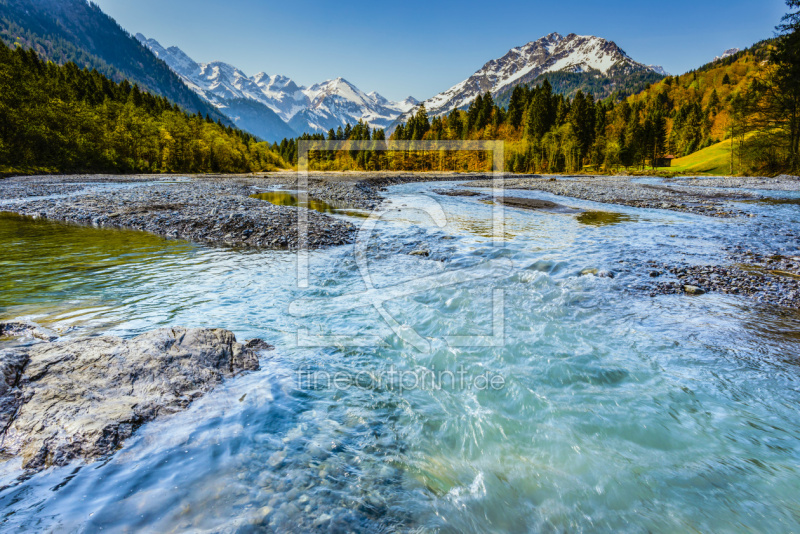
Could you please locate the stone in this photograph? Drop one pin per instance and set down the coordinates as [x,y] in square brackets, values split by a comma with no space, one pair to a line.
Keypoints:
[692,290]
[82,398]
[589,271]
[421,252]
[258,344]
[26,329]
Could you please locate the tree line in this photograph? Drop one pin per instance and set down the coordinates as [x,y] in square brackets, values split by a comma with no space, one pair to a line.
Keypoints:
[67,119]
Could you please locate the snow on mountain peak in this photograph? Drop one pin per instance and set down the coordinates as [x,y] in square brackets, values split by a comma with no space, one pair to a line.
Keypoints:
[551,53]
[658,69]
[727,53]
[325,105]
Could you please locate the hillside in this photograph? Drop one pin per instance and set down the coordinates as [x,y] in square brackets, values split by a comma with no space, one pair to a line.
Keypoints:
[64,119]
[75,30]
[698,104]
[616,83]
[714,160]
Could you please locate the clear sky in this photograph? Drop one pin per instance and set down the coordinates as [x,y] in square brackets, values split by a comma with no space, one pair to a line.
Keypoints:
[420,47]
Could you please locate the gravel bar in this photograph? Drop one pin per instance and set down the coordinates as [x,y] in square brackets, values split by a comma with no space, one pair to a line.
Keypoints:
[208,210]
[626,191]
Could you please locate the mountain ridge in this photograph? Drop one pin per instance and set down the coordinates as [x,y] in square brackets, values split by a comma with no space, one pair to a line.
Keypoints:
[318,108]
[552,53]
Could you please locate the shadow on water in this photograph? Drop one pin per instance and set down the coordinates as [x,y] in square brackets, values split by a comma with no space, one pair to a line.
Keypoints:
[603,218]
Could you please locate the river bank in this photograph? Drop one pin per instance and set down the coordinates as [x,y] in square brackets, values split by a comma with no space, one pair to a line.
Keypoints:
[81,398]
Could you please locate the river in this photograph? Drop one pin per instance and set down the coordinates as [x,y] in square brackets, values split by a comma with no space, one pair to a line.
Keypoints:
[442,380]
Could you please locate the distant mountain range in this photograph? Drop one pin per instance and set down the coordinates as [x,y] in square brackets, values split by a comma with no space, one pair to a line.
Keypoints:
[274,106]
[599,64]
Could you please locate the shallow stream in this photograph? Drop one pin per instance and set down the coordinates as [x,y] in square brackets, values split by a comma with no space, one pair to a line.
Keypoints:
[583,405]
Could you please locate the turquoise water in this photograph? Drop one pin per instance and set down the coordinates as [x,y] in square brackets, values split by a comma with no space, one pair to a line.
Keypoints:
[617,411]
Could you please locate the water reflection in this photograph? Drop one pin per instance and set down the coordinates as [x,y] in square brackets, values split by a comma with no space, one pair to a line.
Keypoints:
[292,198]
[603,218]
[72,274]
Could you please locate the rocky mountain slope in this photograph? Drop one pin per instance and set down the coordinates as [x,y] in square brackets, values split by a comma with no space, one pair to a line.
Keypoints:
[578,55]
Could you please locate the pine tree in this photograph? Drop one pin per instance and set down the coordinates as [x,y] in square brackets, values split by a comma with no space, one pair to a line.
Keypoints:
[784,95]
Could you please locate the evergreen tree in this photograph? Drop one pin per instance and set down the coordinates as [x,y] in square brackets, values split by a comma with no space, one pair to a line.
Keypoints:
[784,93]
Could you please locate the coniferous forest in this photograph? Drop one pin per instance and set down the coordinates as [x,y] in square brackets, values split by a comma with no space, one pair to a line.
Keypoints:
[66,119]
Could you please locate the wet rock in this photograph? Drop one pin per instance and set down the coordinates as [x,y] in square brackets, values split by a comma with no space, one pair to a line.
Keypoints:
[537,204]
[692,290]
[26,329]
[589,271]
[258,345]
[420,252]
[82,398]
[458,193]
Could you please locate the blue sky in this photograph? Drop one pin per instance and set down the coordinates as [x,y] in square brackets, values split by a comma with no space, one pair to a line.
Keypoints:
[420,48]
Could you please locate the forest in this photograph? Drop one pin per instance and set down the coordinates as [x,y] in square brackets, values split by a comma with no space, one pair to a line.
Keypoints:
[751,98]
[67,119]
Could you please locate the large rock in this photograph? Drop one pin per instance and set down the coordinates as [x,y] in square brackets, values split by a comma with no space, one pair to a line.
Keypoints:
[82,398]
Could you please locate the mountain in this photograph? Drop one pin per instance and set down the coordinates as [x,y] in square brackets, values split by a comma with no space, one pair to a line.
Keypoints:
[658,69]
[727,53]
[78,31]
[592,61]
[337,102]
[318,108]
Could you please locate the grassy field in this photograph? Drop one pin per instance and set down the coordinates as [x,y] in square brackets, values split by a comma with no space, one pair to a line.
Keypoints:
[714,160]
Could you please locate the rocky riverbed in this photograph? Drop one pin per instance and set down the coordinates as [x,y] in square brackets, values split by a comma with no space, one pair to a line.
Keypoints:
[627,191]
[783,182]
[771,279]
[81,398]
[211,210]
[760,282]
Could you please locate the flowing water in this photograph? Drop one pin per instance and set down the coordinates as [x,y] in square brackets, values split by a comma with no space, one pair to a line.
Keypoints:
[593,408]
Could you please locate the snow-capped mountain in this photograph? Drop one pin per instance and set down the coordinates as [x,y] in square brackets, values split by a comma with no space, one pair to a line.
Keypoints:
[322,106]
[336,102]
[727,53]
[552,53]
[658,69]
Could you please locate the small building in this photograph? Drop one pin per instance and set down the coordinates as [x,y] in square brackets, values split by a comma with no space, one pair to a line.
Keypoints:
[664,161]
